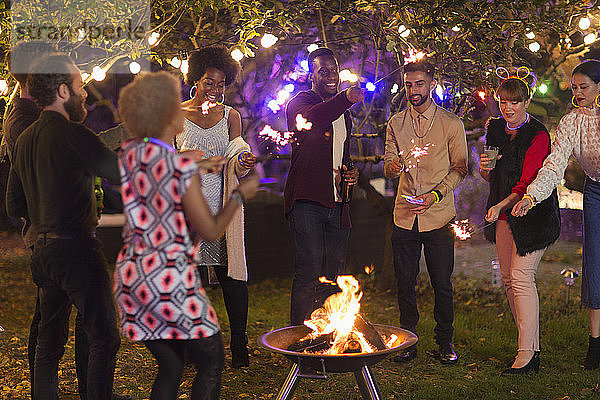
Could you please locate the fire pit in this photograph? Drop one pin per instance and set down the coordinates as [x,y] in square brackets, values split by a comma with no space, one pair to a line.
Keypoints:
[316,366]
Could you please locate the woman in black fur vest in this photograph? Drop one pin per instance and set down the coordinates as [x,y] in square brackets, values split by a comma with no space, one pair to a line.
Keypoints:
[523,144]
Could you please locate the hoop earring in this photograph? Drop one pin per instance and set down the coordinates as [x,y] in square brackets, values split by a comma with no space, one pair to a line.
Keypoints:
[574,102]
[596,101]
[193,90]
[222,99]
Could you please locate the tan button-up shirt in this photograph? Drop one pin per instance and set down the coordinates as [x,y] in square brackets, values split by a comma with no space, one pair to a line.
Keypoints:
[442,167]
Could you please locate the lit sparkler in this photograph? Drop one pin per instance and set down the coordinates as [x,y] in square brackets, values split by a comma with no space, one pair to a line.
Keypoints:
[279,138]
[415,152]
[462,229]
[302,123]
[204,107]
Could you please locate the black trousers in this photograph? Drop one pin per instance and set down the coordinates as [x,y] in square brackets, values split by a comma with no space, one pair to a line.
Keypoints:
[74,272]
[438,247]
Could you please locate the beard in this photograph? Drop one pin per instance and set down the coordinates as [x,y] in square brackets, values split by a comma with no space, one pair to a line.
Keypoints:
[75,108]
[417,100]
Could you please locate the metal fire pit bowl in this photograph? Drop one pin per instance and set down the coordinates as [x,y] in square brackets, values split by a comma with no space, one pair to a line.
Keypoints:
[316,366]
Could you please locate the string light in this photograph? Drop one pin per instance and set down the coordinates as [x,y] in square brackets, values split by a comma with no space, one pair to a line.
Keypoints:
[347,76]
[543,88]
[370,86]
[98,74]
[584,23]
[534,47]
[413,56]
[290,87]
[481,95]
[589,39]
[274,106]
[439,91]
[237,54]
[84,76]
[395,88]
[135,67]
[456,28]
[268,40]
[530,35]
[312,47]
[405,33]
[175,62]
[80,34]
[3,87]
[153,38]
[304,65]
[184,67]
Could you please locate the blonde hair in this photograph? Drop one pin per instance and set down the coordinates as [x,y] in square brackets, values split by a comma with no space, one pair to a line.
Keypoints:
[148,104]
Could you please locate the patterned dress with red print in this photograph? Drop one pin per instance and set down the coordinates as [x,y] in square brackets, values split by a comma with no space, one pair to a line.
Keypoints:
[157,286]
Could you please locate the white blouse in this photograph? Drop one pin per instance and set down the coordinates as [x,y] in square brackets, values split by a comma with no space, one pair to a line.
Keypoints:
[578,133]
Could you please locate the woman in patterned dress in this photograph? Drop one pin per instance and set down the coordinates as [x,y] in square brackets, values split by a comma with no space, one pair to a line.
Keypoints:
[159,294]
[216,130]
[578,133]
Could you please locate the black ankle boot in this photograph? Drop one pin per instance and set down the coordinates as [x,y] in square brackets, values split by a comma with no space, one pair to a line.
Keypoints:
[239,351]
[592,359]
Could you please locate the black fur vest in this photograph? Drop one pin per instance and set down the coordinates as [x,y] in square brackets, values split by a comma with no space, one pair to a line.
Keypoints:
[541,226]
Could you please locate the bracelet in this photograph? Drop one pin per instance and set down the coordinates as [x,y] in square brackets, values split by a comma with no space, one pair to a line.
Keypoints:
[530,197]
[237,195]
[438,195]
[240,156]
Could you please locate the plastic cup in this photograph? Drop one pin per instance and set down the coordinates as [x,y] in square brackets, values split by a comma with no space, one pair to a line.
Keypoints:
[492,153]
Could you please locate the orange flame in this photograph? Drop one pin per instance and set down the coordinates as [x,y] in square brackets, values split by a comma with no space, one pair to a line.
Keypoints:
[369,269]
[337,316]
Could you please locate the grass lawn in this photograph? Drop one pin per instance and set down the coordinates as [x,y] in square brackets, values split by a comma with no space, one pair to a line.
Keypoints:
[485,339]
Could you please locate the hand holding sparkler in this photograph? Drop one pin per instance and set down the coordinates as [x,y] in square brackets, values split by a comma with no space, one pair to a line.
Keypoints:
[394,167]
[247,159]
[493,213]
[355,94]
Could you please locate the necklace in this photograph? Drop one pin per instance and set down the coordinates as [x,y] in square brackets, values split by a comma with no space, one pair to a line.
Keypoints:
[160,143]
[514,129]
[430,125]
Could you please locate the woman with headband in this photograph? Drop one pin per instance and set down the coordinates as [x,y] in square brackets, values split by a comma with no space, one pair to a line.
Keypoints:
[215,129]
[523,143]
[578,133]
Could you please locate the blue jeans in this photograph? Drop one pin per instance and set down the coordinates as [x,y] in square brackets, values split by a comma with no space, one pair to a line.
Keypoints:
[438,246]
[590,284]
[320,250]
[74,271]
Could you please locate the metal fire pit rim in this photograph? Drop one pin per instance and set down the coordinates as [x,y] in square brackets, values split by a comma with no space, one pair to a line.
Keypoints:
[262,342]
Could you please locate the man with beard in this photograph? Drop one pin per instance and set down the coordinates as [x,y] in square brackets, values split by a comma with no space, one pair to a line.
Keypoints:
[319,221]
[424,204]
[50,184]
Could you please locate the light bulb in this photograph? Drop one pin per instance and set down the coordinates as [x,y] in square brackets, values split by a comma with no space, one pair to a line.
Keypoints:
[543,88]
[456,28]
[534,47]
[153,38]
[290,87]
[184,67]
[175,62]
[134,67]
[405,33]
[304,65]
[530,35]
[98,73]
[312,47]
[237,54]
[3,87]
[268,40]
[584,23]
[395,88]
[370,86]
[590,38]
[439,91]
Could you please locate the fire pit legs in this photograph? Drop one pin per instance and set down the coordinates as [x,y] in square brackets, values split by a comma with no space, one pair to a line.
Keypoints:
[290,384]
[367,384]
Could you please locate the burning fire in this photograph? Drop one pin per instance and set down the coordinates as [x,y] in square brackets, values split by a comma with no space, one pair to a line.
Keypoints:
[337,317]
[462,229]
[369,269]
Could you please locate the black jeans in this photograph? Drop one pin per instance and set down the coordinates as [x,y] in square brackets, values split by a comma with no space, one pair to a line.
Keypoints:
[438,246]
[207,356]
[74,272]
[81,351]
[320,250]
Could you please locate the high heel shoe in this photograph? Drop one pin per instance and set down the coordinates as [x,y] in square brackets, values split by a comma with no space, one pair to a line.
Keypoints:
[532,366]
[239,351]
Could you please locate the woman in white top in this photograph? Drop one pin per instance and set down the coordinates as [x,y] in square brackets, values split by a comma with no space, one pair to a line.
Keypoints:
[578,133]
[214,128]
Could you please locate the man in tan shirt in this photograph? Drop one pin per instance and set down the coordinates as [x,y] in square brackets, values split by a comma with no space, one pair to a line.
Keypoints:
[426,149]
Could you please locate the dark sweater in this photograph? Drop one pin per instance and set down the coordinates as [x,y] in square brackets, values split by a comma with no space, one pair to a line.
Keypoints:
[311,170]
[51,178]
[541,226]
[23,113]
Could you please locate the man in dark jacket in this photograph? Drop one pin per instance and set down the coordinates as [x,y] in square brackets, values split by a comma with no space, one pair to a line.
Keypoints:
[319,221]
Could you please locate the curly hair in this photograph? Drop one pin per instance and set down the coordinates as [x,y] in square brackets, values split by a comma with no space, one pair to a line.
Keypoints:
[148,104]
[22,55]
[217,57]
[46,76]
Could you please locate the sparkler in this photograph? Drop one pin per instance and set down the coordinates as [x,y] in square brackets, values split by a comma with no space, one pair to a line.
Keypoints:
[279,138]
[302,123]
[415,152]
[464,230]
[204,107]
